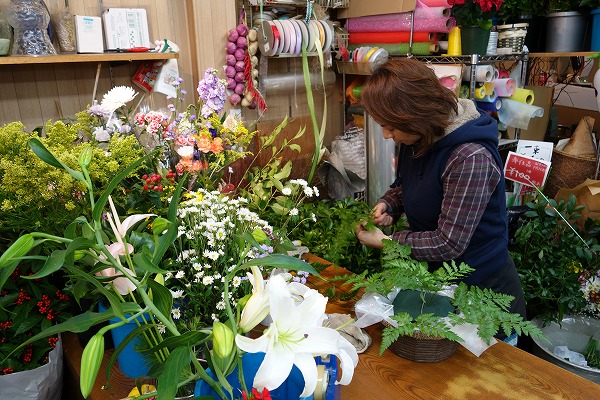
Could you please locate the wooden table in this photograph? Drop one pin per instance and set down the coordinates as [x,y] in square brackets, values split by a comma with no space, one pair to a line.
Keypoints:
[501,372]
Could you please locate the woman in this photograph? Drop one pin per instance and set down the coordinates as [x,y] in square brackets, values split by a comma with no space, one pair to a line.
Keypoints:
[450,182]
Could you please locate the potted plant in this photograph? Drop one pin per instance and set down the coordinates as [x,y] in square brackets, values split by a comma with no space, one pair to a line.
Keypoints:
[474,17]
[531,12]
[565,27]
[551,250]
[428,306]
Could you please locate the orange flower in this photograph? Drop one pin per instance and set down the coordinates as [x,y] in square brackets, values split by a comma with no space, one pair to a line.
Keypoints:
[203,144]
[217,145]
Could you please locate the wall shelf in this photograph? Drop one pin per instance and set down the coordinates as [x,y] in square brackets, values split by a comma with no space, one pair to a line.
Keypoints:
[557,55]
[79,58]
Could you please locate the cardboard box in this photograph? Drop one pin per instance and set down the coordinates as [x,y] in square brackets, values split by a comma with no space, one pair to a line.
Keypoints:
[537,126]
[361,8]
[575,96]
[88,34]
[125,28]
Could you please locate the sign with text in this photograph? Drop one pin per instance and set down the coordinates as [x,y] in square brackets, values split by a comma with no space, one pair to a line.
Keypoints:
[526,170]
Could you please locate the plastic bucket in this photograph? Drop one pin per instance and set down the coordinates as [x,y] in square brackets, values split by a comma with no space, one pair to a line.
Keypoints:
[595,44]
[131,363]
[565,32]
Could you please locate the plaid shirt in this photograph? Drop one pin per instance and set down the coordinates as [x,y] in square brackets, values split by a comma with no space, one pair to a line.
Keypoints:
[469,179]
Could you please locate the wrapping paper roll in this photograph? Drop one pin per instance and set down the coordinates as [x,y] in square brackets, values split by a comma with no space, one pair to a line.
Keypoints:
[503,74]
[286,83]
[479,92]
[489,88]
[490,106]
[402,24]
[419,48]
[390,37]
[465,92]
[496,73]
[454,43]
[521,95]
[517,114]
[483,73]
[421,12]
[490,98]
[505,87]
[434,3]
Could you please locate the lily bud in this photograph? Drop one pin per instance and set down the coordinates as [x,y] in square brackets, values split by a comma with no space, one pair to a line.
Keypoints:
[85,157]
[259,235]
[223,340]
[159,225]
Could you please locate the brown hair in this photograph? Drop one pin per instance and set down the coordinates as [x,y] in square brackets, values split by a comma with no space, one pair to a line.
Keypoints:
[405,94]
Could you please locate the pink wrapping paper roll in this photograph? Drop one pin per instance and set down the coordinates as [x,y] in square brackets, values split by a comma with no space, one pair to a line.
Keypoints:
[434,3]
[505,87]
[390,37]
[422,12]
[502,74]
[402,24]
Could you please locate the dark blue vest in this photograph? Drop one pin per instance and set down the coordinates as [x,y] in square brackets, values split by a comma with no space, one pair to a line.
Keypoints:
[423,191]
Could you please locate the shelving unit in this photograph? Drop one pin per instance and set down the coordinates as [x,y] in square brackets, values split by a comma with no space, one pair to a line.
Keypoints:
[86,58]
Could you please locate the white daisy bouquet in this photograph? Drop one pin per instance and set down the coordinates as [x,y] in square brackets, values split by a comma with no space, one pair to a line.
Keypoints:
[590,287]
[207,249]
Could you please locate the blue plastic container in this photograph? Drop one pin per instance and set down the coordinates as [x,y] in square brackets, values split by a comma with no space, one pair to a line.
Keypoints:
[289,390]
[595,44]
[131,363]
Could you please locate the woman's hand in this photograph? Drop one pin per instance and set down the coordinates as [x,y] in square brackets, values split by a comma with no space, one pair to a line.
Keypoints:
[371,238]
[380,215]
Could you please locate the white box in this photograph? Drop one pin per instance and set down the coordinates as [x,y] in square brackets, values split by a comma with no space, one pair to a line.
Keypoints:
[125,28]
[576,96]
[88,34]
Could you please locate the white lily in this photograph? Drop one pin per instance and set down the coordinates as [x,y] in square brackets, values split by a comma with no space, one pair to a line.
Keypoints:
[295,337]
[257,307]
[120,248]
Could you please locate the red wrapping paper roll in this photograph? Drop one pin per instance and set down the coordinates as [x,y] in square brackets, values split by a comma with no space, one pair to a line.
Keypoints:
[390,37]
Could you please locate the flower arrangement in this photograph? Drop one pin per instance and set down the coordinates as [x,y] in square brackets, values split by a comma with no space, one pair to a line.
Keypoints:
[207,249]
[124,265]
[590,286]
[203,142]
[417,301]
[475,12]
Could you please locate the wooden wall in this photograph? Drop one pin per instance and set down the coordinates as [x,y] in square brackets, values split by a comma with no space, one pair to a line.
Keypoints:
[35,94]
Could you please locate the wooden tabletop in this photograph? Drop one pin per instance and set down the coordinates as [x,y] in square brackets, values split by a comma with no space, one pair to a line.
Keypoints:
[501,372]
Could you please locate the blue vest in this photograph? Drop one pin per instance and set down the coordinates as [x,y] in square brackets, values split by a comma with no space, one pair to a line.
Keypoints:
[422,185]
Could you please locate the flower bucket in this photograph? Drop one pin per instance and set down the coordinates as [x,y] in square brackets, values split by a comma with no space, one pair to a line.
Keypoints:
[595,45]
[289,390]
[41,383]
[565,32]
[474,40]
[131,363]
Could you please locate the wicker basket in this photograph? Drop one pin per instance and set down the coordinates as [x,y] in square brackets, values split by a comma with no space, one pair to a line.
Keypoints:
[511,38]
[423,348]
[568,171]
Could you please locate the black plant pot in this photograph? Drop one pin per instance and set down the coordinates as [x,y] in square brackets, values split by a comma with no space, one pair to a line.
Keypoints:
[533,39]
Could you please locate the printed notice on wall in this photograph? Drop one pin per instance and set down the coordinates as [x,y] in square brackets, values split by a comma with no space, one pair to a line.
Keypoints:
[526,170]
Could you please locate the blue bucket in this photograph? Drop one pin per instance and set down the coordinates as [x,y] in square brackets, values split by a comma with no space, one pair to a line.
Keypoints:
[289,390]
[131,363]
[595,45]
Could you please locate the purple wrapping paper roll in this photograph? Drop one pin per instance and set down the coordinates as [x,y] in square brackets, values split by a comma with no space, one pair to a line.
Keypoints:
[421,12]
[505,87]
[402,24]
[485,106]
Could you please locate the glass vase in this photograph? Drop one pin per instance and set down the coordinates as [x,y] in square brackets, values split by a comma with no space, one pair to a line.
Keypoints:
[29,19]
[5,35]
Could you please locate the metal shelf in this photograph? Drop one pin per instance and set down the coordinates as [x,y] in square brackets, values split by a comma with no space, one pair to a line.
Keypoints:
[473,59]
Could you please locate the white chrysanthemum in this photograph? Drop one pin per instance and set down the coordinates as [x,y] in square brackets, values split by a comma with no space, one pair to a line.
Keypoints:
[313,217]
[212,255]
[236,281]
[220,305]
[117,97]
[177,294]
[180,274]
[161,328]
[214,317]
[176,313]
[316,191]
[286,191]
[197,266]
[208,280]
[308,191]
[294,212]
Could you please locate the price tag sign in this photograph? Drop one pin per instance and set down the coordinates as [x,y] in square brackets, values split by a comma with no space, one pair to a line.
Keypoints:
[526,170]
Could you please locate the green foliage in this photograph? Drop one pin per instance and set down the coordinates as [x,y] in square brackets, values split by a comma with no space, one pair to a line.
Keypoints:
[512,9]
[482,307]
[38,196]
[550,255]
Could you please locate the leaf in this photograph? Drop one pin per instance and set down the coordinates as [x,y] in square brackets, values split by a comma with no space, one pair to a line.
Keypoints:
[168,380]
[161,297]
[53,263]
[280,261]
[45,155]
[18,249]
[132,335]
[143,262]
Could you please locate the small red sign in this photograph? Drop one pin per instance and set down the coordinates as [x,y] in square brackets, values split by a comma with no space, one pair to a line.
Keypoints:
[526,170]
